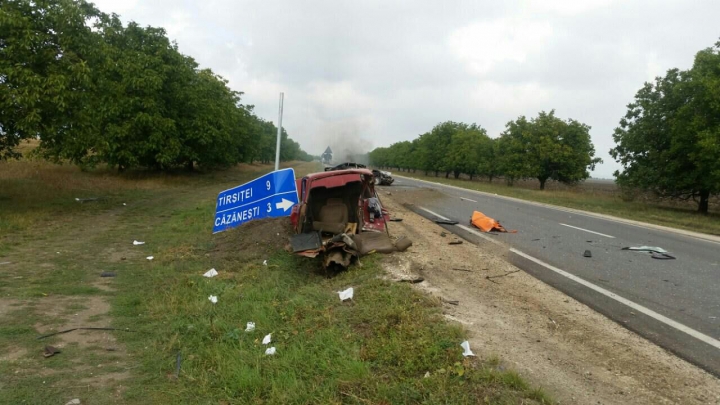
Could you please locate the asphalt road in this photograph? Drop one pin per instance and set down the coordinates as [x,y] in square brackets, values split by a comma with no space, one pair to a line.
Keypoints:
[675,303]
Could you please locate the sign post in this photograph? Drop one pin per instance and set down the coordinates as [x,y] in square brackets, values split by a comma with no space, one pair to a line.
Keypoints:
[279,134]
[271,195]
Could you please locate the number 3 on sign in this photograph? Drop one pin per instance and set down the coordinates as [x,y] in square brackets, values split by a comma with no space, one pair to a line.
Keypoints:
[267,184]
[269,207]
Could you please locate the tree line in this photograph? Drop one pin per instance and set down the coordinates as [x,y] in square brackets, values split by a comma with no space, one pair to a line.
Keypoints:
[545,147]
[93,91]
[668,142]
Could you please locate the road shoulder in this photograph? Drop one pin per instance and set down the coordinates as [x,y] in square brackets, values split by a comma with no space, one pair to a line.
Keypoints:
[575,353]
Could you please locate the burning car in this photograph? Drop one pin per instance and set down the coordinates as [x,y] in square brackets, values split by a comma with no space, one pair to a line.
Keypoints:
[383,178]
[340,217]
[345,166]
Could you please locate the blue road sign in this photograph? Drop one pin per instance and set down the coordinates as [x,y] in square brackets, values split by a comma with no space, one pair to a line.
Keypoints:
[271,195]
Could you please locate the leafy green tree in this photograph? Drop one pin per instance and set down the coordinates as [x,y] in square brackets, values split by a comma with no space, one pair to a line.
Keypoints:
[669,140]
[434,145]
[44,47]
[465,150]
[547,147]
[94,91]
[488,159]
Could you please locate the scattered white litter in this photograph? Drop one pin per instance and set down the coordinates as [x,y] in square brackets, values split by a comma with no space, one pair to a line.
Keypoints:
[75,401]
[466,347]
[266,339]
[264,262]
[427,374]
[124,204]
[1,263]
[250,327]
[77,199]
[210,273]
[346,295]
[213,299]
[270,351]
[150,257]
[138,243]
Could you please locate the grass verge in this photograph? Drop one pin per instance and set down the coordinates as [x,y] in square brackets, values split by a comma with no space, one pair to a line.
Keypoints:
[602,203]
[376,349]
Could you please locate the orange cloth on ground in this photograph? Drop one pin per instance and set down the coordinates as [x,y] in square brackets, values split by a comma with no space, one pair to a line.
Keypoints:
[485,223]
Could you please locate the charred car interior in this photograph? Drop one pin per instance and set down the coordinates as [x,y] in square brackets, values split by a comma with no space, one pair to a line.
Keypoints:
[340,218]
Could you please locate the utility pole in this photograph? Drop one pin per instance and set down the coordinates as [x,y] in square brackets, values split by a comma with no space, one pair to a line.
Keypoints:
[279,135]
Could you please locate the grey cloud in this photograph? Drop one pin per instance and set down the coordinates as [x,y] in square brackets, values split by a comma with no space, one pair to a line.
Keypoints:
[379,72]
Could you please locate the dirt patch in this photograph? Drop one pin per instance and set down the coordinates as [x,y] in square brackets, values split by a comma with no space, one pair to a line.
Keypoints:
[115,255]
[8,305]
[93,313]
[253,240]
[575,353]
[13,353]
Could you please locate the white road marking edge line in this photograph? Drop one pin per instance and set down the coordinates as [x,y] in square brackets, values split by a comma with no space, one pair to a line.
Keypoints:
[467,199]
[463,227]
[435,213]
[477,233]
[661,318]
[587,230]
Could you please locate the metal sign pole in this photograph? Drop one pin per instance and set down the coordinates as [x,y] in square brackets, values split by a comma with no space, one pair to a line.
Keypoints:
[279,135]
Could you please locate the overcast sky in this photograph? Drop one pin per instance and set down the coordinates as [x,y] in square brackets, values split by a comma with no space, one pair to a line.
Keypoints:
[363,74]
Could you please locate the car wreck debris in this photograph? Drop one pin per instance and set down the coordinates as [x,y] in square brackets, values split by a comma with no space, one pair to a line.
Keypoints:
[662,256]
[655,252]
[587,253]
[50,351]
[412,280]
[340,218]
[445,222]
[490,278]
[646,249]
[383,178]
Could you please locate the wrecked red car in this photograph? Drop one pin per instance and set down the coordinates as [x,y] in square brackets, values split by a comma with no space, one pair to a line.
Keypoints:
[340,217]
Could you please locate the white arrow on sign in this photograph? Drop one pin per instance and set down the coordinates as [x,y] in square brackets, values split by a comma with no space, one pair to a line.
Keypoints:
[284,204]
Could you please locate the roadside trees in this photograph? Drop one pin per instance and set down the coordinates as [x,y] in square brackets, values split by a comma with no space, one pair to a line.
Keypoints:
[468,146]
[545,148]
[669,140]
[45,46]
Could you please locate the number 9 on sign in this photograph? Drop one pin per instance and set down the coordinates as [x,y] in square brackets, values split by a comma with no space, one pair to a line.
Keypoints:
[267,184]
